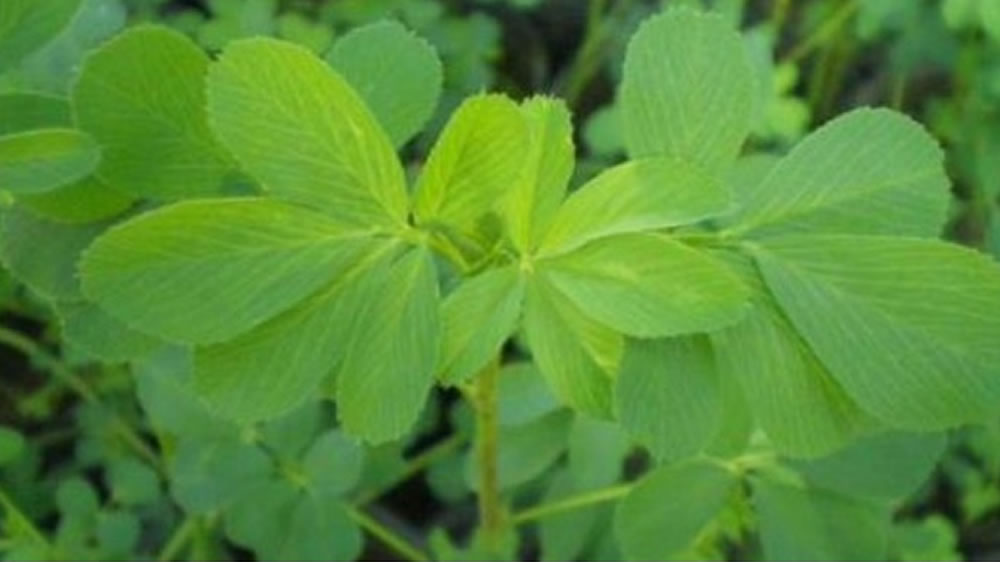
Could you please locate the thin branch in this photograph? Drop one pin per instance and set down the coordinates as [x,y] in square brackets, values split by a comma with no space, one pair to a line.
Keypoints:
[386,535]
[572,503]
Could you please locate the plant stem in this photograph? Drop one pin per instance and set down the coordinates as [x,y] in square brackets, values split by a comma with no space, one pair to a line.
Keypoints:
[822,32]
[413,466]
[572,503]
[487,437]
[386,535]
[21,520]
[589,57]
[58,369]
[182,535]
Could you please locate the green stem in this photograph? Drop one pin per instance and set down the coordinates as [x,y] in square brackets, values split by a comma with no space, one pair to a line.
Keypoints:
[590,56]
[491,516]
[386,535]
[181,537]
[822,33]
[21,520]
[58,369]
[572,503]
[415,465]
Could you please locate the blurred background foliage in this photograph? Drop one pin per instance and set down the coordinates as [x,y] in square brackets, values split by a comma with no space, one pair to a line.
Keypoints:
[107,460]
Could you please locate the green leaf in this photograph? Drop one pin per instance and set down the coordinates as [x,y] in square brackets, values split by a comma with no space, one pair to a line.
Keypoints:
[45,159]
[905,325]
[389,364]
[688,90]
[333,463]
[43,254]
[886,466]
[21,112]
[478,157]
[55,66]
[397,73]
[476,319]
[524,395]
[259,520]
[648,285]
[548,165]
[276,366]
[288,437]
[575,354]
[142,96]
[11,445]
[87,326]
[525,451]
[163,386]
[597,451]
[304,133]
[26,25]
[76,497]
[320,529]
[87,200]
[803,410]
[799,523]
[566,535]
[206,476]
[667,509]
[117,532]
[648,194]
[132,482]
[217,267]
[870,171]
[668,395]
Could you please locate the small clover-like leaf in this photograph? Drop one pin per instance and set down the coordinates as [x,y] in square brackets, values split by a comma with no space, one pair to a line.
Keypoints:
[907,326]
[217,267]
[45,159]
[688,90]
[302,131]
[397,73]
[142,96]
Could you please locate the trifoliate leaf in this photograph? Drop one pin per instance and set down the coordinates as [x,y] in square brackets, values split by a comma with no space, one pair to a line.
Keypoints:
[299,128]
[142,96]
[478,157]
[907,326]
[276,366]
[389,364]
[319,529]
[259,520]
[216,267]
[43,254]
[668,395]
[45,159]
[667,509]
[885,466]
[288,437]
[798,523]
[648,194]
[870,171]
[547,169]
[688,90]
[575,354]
[26,25]
[397,73]
[476,319]
[648,285]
